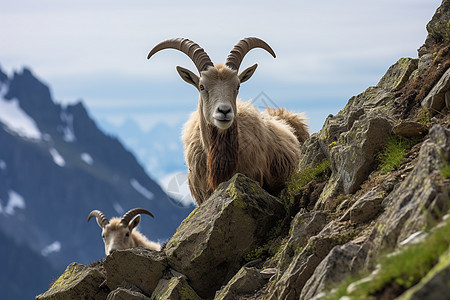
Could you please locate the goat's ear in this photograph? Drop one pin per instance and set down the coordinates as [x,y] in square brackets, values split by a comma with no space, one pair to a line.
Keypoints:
[247,73]
[188,76]
[135,222]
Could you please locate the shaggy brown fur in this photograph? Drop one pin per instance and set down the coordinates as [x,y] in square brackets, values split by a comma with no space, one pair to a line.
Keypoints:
[223,155]
[297,121]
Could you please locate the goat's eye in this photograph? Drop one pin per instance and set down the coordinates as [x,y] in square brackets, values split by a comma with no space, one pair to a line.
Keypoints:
[127,234]
[202,88]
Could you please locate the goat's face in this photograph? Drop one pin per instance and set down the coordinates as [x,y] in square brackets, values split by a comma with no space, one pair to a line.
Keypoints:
[117,235]
[218,87]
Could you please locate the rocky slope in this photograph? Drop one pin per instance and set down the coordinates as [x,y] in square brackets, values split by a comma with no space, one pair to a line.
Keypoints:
[365,216]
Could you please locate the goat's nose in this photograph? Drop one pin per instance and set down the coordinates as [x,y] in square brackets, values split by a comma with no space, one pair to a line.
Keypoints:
[224,109]
[112,251]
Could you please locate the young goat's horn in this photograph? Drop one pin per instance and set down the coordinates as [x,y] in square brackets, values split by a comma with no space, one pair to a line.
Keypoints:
[132,213]
[237,54]
[101,219]
[191,49]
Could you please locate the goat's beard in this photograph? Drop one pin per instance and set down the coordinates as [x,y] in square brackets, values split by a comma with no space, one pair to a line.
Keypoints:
[223,156]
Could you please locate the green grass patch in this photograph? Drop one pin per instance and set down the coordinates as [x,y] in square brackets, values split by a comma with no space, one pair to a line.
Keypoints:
[445,170]
[423,116]
[402,270]
[394,153]
[302,177]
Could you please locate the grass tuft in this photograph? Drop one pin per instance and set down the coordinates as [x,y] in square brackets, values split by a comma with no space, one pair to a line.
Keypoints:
[301,178]
[393,153]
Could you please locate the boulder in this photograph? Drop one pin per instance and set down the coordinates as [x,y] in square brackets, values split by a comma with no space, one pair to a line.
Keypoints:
[303,226]
[410,129]
[77,282]
[436,98]
[246,281]
[210,245]
[333,268]
[353,156]
[138,267]
[438,28]
[365,208]
[289,284]
[175,288]
[398,74]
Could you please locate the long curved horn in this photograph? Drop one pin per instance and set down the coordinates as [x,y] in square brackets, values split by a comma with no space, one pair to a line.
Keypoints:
[237,54]
[101,219]
[132,213]
[191,49]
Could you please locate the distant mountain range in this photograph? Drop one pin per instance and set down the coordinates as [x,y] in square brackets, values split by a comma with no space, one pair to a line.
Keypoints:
[160,151]
[56,166]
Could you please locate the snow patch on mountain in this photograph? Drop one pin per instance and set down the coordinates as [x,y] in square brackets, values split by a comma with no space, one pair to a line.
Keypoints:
[17,121]
[15,201]
[2,165]
[87,158]
[141,189]
[57,158]
[68,132]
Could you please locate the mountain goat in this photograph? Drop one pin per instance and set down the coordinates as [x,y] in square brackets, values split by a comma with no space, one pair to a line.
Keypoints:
[121,233]
[226,135]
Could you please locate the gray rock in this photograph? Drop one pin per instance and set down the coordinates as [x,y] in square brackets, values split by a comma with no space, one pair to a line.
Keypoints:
[409,206]
[410,129]
[436,98]
[77,282]
[210,244]
[398,74]
[365,208]
[126,294]
[138,266]
[303,226]
[353,157]
[246,281]
[289,284]
[333,268]
[437,28]
[175,288]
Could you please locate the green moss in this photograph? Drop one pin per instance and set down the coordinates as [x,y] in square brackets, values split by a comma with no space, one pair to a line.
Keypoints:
[403,270]
[67,277]
[423,116]
[393,153]
[445,170]
[332,145]
[254,254]
[302,177]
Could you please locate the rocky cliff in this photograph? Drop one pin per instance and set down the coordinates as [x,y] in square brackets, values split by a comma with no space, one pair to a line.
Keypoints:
[364,217]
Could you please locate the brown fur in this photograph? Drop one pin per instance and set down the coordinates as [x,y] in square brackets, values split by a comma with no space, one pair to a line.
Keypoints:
[297,121]
[223,154]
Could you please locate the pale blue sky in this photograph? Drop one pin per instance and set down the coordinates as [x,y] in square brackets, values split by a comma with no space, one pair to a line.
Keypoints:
[327,51]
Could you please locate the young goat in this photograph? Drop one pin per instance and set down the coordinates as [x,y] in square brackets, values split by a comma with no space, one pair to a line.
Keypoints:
[121,233]
[226,135]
